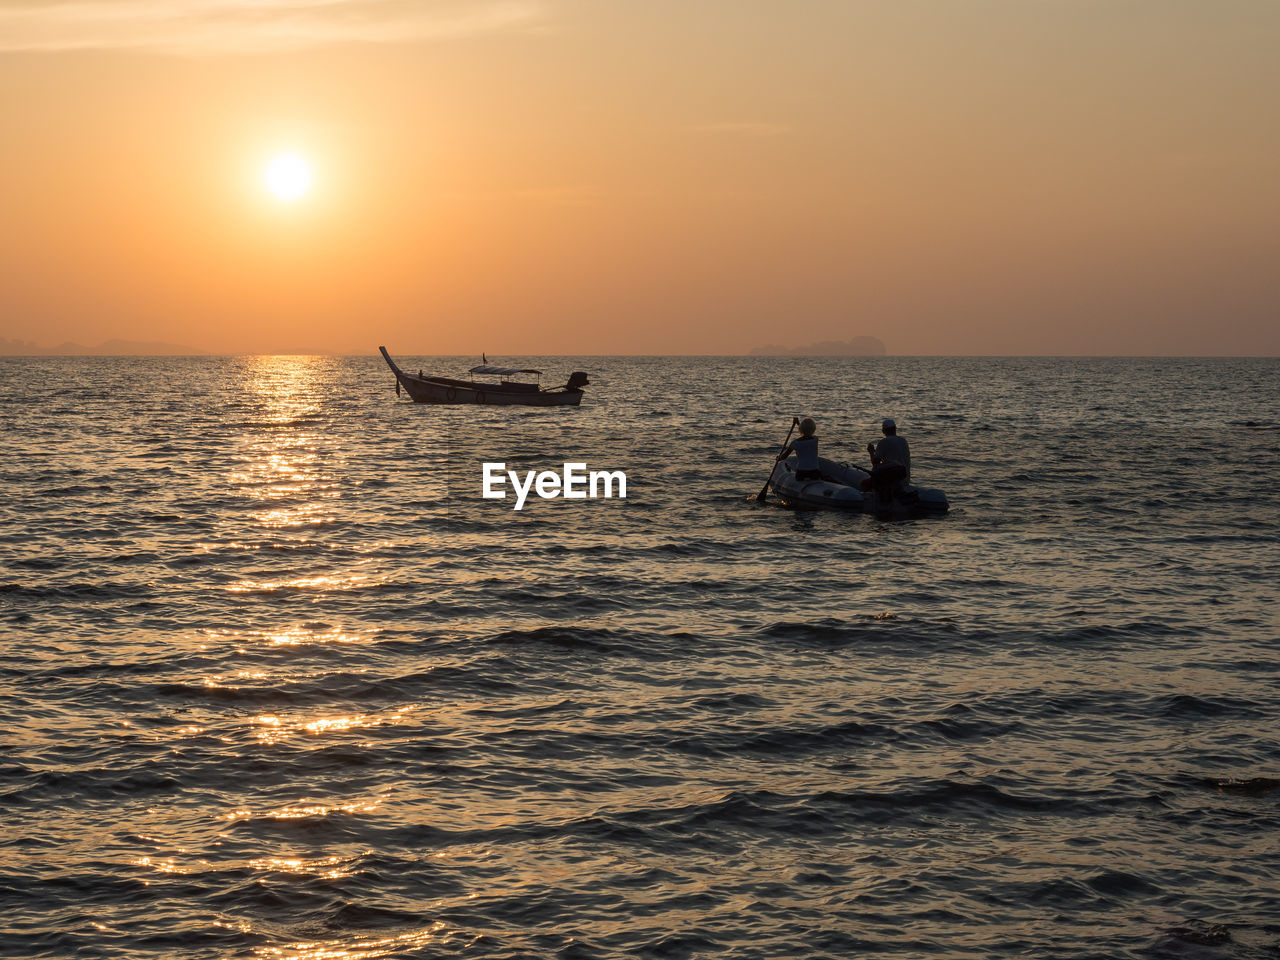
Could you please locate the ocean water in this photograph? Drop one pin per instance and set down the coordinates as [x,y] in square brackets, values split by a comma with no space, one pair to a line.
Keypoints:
[276,682]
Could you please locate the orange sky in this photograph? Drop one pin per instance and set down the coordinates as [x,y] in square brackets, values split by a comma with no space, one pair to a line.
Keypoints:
[574,176]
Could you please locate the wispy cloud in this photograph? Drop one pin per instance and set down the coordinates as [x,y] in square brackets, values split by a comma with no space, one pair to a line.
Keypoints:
[246,26]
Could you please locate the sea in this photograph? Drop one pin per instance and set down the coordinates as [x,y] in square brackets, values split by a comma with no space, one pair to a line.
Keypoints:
[278,682]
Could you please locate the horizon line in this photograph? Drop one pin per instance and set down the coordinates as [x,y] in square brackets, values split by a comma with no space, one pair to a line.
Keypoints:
[710,356]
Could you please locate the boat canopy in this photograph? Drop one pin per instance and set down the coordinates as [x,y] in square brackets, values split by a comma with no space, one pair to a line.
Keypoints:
[502,371]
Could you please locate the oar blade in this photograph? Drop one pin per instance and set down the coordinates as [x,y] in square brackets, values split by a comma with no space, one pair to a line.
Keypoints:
[764,491]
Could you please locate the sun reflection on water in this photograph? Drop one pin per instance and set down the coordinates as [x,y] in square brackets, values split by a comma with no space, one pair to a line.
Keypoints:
[341,723]
[294,636]
[321,583]
[328,868]
[303,812]
[285,385]
[274,729]
[283,465]
[170,865]
[405,944]
[288,478]
[298,636]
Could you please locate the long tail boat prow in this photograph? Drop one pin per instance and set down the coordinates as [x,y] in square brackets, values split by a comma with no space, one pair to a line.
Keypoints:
[504,392]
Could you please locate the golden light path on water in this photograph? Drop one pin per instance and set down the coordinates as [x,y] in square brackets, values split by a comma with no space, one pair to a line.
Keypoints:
[359,949]
[287,469]
[281,462]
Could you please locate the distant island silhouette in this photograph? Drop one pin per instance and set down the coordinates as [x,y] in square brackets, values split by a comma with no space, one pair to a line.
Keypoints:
[854,347]
[108,348]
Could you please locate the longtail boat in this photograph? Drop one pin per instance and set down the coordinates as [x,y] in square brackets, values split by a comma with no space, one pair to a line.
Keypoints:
[503,392]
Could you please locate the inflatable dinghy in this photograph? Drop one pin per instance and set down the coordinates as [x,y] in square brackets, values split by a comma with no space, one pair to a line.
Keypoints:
[841,489]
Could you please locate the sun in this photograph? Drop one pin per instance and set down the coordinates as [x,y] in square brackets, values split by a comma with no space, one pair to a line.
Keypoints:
[288,177]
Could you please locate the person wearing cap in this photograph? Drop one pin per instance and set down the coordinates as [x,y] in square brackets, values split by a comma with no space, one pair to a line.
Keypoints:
[805,447]
[890,461]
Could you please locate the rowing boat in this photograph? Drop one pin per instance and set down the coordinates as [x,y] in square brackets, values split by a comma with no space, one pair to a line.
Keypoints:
[841,488]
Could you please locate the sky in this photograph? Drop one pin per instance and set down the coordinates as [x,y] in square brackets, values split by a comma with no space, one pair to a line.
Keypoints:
[530,177]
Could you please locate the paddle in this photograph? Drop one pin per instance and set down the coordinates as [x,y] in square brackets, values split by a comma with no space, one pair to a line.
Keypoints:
[764,491]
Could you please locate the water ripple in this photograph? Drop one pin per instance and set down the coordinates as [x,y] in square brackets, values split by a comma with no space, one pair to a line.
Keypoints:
[279,684]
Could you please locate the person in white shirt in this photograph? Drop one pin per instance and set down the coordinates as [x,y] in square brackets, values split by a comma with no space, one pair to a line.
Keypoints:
[890,460]
[805,447]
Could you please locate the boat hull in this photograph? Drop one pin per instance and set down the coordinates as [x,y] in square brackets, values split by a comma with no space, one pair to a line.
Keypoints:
[439,390]
[467,392]
[840,489]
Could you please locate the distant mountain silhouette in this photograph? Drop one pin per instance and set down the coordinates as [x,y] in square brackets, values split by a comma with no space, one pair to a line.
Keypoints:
[108,348]
[855,347]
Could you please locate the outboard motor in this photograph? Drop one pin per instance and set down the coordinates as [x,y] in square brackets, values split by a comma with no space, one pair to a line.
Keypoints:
[577,380]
